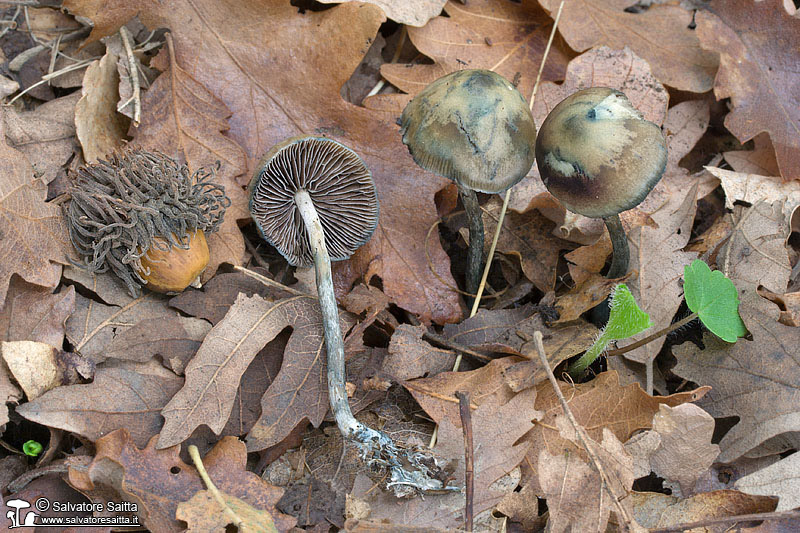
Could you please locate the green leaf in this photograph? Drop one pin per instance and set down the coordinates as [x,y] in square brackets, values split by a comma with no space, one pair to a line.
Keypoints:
[624,320]
[715,300]
[32,448]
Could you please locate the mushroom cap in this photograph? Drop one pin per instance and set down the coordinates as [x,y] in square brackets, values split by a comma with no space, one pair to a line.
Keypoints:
[597,155]
[340,185]
[473,127]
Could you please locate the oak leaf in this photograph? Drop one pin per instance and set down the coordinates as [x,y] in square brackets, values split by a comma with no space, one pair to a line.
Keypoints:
[223,49]
[781,479]
[756,44]
[100,129]
[408,12]
[661,35]
[203,512]
[33,313]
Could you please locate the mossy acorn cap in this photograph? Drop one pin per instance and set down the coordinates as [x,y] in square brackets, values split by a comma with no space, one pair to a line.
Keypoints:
[340,185]
[597,154]
[473,127]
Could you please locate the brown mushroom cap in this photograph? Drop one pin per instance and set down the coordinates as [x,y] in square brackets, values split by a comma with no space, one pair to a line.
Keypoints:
[340,185]
[473,127]
[597,155]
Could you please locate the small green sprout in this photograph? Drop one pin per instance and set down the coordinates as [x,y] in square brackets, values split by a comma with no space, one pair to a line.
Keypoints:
[32,448]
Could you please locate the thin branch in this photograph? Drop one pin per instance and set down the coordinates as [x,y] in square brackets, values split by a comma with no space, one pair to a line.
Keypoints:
[784,515]
[447,343]
[125,35]
[628,523]
[271,282]
[665,331]
[469,457]
[201,469]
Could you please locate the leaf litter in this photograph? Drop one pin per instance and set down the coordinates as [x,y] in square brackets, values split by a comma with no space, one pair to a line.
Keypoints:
[238,367]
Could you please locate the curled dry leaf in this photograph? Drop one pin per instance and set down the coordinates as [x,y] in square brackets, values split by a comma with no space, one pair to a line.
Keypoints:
[756,44]
[33,313]
[409,12]
[268,106]
[38,367]
[157,480]
[661,35]
[99,127]
[129,397]
[761,160]
[411,357]
[781,479]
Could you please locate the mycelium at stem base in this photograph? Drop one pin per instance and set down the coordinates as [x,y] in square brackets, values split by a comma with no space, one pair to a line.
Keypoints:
[375,446]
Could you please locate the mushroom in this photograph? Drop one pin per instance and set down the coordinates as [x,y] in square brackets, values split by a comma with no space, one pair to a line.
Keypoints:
[599,157]
[475,128]
[313,199]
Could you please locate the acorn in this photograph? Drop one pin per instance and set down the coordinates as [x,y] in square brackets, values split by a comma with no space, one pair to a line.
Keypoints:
[145,217]
[170,269]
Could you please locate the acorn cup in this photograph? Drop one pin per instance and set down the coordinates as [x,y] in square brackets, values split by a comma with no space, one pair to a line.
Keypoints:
[143,216]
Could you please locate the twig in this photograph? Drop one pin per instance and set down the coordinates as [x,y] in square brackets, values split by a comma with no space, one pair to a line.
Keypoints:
[54,55]
[48,77]
[201,469]
[271,282]
[469,454]
[628,524]
[650,338]
[782,515]
[125,35]
[447,343]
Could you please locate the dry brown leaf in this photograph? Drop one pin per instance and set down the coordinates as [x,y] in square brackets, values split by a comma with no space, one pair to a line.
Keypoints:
[683,451]
[601,67]
[218,295]
[497,426]
[761,160]
[576,497]
[411,357]
[175,338]
[757,43]
[203,513]
[505,37]
[789,304]
[586,295]
[183,119]
[9,393]
[45,135]
[92,327]
[752,188]
[661,35]
[655,510]
[269,105]
[38,367]
[781,479]
[106,287]
[157,480]
[129,397]
[33,234]
[600,403]
[409,12]
[33,313]
[100,129]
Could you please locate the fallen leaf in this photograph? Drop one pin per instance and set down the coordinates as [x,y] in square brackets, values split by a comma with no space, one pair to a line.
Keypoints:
[789,304]
[183,119]
[100,129]
[268,106]
[33,232]
[38,367]
[585,296]
[157,480]
[53,489]
[408,12]
[175,338]
[32,313]
[129,397]
[684,451]
[781,479]
[761,160]
[755,44]
[507,38]
[723,476]
[411,357]
[203,512]
[661,35]
[92,327]
[9,393]
[577,498]
[106,287]
[601,67]
[497,426]
[46,136]
[654,510]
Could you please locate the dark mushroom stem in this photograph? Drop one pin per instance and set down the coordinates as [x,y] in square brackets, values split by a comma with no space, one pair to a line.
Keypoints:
[374,444]
[475,251]
[619,242]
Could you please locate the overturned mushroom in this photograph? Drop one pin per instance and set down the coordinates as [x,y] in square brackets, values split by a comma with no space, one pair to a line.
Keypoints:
[314,200]
[599,157]
[475,128]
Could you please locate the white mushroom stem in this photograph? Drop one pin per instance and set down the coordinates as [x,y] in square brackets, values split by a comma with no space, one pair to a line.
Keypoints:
[347,423]
[411,470]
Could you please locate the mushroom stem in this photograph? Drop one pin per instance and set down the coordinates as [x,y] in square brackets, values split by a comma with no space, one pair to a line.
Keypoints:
[347,423]
[475,252]
[619,242]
